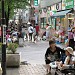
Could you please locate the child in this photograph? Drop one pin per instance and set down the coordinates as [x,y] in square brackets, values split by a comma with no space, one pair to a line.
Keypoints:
[68,59]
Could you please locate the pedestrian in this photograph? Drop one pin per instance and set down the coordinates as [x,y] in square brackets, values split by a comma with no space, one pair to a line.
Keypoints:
[52,54]
[48,28]
[30,31]
[37,29]
[71,38]
[61,34]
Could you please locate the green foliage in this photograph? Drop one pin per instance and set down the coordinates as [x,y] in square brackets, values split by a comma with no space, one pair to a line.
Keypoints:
[12,47]
[14,4]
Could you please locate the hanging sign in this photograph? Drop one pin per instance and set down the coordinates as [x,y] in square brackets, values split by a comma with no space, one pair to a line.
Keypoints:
[35,2]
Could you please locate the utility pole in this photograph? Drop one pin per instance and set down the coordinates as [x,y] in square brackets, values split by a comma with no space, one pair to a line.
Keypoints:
[3,40]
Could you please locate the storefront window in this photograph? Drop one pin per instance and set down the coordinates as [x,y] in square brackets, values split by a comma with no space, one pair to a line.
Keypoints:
[43,22]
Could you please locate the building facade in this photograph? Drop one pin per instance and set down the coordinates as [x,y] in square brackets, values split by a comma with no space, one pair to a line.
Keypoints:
[58,13]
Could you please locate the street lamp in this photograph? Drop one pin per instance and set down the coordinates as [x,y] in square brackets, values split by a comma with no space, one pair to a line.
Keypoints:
[3,25]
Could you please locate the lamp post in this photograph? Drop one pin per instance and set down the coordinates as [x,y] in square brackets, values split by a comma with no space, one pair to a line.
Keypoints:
[3,40]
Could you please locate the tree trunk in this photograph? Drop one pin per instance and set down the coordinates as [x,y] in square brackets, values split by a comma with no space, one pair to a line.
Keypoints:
[7,17]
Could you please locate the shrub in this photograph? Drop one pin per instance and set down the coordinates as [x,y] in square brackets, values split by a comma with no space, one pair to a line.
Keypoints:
[12,47]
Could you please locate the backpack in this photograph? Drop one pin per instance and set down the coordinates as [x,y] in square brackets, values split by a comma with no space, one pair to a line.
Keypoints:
[31,29]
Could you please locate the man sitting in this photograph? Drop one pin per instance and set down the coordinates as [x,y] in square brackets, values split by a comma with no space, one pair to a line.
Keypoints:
[52,54]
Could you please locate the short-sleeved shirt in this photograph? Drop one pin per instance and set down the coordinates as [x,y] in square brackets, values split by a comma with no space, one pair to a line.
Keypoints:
[30,29]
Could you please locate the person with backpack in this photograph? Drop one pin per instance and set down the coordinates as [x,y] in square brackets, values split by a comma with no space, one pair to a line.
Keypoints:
[30,31]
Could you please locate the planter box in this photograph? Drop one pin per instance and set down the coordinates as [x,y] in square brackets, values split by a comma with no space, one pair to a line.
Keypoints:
[13,60]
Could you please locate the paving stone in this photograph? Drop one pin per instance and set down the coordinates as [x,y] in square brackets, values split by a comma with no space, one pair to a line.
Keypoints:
[27,70]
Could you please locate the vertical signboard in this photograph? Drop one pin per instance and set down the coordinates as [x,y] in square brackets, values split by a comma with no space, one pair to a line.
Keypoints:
[35,2]
[4,34]
[69,4]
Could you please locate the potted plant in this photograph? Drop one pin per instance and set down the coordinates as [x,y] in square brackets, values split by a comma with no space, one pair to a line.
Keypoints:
[12,57]
[12,48]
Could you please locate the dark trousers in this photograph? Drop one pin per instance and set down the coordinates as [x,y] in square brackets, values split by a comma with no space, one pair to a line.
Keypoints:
[72,43]
[30,36]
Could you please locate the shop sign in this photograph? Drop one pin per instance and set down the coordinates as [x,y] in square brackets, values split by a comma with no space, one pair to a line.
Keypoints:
[53,7]
[58,6]
[63,4]
[69,4]
[35,2]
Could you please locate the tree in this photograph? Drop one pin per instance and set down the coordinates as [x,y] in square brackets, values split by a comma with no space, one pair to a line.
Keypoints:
[10,5]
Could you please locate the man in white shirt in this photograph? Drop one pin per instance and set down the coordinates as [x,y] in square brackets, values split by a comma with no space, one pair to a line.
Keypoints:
[30,31]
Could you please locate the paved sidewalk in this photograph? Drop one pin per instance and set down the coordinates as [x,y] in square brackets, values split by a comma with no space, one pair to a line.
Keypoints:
[27,70]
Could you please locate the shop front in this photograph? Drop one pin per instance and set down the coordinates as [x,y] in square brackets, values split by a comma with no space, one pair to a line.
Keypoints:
[63,19]
[51,11]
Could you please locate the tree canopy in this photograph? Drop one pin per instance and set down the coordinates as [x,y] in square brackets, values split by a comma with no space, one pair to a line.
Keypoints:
[10,5]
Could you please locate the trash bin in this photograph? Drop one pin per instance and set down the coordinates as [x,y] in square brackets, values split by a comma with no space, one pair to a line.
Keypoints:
[21,42]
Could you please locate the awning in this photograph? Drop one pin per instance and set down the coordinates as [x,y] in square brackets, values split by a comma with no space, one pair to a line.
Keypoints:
[61,13]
